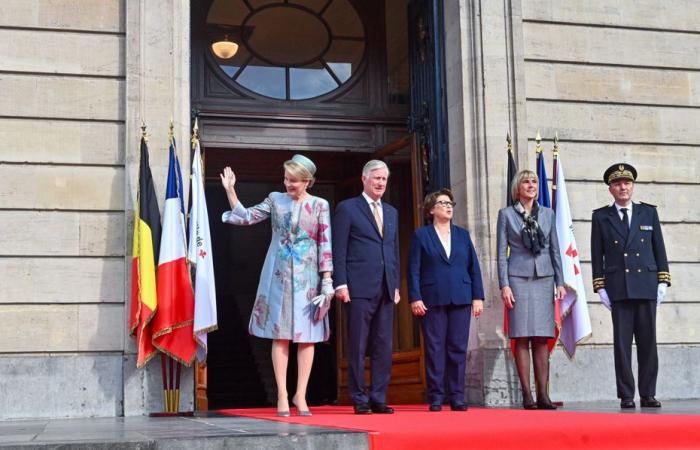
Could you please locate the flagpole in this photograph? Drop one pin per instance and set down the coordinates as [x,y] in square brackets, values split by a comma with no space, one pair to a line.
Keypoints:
[555,156]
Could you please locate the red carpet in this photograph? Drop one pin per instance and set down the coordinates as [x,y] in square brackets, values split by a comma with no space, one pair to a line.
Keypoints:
[414,428]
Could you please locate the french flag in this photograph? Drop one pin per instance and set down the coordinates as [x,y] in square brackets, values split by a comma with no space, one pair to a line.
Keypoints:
[173,322]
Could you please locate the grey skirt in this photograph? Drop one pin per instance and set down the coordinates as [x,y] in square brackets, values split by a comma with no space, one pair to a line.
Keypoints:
[533,313]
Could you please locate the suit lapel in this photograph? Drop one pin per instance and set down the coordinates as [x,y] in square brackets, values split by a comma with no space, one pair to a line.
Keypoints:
[453,242]
[435,239]
[616,222]
[364,207]
[634,224]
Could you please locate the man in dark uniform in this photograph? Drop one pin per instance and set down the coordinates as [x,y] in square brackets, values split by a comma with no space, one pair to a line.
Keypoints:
[630,274]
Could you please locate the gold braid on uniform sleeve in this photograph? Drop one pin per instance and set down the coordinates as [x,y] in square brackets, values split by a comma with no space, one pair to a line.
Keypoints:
[598,283]
[664,277]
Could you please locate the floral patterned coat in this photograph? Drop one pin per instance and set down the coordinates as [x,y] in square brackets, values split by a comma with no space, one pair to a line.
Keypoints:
[299,251]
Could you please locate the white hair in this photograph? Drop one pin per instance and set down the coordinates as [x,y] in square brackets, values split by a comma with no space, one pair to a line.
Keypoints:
[374,164]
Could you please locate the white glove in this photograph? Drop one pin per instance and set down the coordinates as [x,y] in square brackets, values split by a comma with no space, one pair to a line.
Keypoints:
[660,293]
[604,299]
[327,288]
[323,302]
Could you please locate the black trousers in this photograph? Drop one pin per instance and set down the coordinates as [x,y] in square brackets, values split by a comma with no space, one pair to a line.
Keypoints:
[635,318]
[370,331]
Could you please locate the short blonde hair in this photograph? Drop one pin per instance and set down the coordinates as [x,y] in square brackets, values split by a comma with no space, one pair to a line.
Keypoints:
[521,176]
[300,171]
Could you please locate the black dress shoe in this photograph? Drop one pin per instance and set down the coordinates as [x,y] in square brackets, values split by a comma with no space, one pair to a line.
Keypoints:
[362,408]
[649,402]
[381,408]
[435,407]
[529,405]
[627,403]
[458,406]
[547,404]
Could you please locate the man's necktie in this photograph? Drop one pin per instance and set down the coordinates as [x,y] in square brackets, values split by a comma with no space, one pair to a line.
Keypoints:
[378,218]
[625,220]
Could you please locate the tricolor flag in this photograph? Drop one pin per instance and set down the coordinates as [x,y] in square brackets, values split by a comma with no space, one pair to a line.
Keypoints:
[575,321]
[145,253]
[172,326]
[201,257]
[544,200]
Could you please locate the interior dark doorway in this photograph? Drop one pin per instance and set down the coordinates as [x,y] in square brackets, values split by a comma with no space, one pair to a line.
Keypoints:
[239,366]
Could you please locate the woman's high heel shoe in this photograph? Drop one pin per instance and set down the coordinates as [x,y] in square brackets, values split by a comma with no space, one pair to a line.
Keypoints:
[282,412]
[301,412]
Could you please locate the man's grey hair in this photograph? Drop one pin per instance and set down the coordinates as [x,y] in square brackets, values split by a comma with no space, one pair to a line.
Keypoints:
[374,165]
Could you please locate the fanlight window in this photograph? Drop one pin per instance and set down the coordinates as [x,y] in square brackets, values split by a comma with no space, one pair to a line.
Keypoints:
[290,50]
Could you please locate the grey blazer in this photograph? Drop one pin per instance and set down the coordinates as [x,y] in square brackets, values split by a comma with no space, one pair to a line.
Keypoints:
[521,262]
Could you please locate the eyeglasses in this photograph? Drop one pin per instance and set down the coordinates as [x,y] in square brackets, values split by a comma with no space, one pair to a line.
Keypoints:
[445,204]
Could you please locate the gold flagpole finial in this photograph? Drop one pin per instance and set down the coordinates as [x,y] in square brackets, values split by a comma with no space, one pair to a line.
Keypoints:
[171,132]
[538,143]
[195,131]
[555,149]
[143,130]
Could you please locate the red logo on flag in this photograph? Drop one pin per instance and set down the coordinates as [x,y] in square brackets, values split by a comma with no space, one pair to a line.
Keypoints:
[572,253]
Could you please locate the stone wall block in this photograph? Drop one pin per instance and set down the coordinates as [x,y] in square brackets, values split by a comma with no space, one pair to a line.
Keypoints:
[613,123]
[611,84]
[60,386]
[678,15]
[61,280]
[654,163]
[62,141]
[579,43]
[101,327]
[39,328]
[61,52]
[104,15]
[62,97]
[63,233]
[62,187]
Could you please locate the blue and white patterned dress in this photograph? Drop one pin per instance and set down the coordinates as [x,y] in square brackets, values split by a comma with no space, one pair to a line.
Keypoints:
[299,251]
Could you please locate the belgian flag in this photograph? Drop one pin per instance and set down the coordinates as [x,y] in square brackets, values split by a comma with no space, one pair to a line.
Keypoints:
[512,171]
[147,231]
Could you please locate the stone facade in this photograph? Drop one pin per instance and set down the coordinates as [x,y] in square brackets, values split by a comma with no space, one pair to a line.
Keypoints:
[617,81]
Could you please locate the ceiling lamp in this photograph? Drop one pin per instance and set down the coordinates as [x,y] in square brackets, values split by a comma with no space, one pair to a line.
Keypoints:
[224,48]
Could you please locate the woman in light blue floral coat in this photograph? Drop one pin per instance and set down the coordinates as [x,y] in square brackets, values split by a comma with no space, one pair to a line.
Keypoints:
[295,286]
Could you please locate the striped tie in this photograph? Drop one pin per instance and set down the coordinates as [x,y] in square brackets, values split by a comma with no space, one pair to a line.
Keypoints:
[378,218]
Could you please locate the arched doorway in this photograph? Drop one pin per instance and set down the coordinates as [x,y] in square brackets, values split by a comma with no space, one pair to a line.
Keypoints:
[341,95]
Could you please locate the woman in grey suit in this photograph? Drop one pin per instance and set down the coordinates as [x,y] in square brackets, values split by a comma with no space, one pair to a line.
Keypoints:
[527,277]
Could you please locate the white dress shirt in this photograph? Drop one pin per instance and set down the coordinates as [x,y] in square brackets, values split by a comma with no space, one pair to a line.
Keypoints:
[629,213]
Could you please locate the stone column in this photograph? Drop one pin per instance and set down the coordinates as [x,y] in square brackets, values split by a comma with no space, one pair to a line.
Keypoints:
[157,91]
[485,84]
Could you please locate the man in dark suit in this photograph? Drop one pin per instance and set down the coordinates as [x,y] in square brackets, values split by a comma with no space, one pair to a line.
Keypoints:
[366,273]
[630,274]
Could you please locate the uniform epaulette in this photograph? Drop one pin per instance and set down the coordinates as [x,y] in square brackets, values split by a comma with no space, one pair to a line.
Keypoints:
[601,208]
[648,204]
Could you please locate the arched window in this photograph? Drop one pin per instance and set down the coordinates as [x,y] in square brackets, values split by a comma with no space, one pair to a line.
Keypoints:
[290,50]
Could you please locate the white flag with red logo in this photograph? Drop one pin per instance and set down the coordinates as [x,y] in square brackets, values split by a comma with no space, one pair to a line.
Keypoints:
[200,256]
[575,320]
